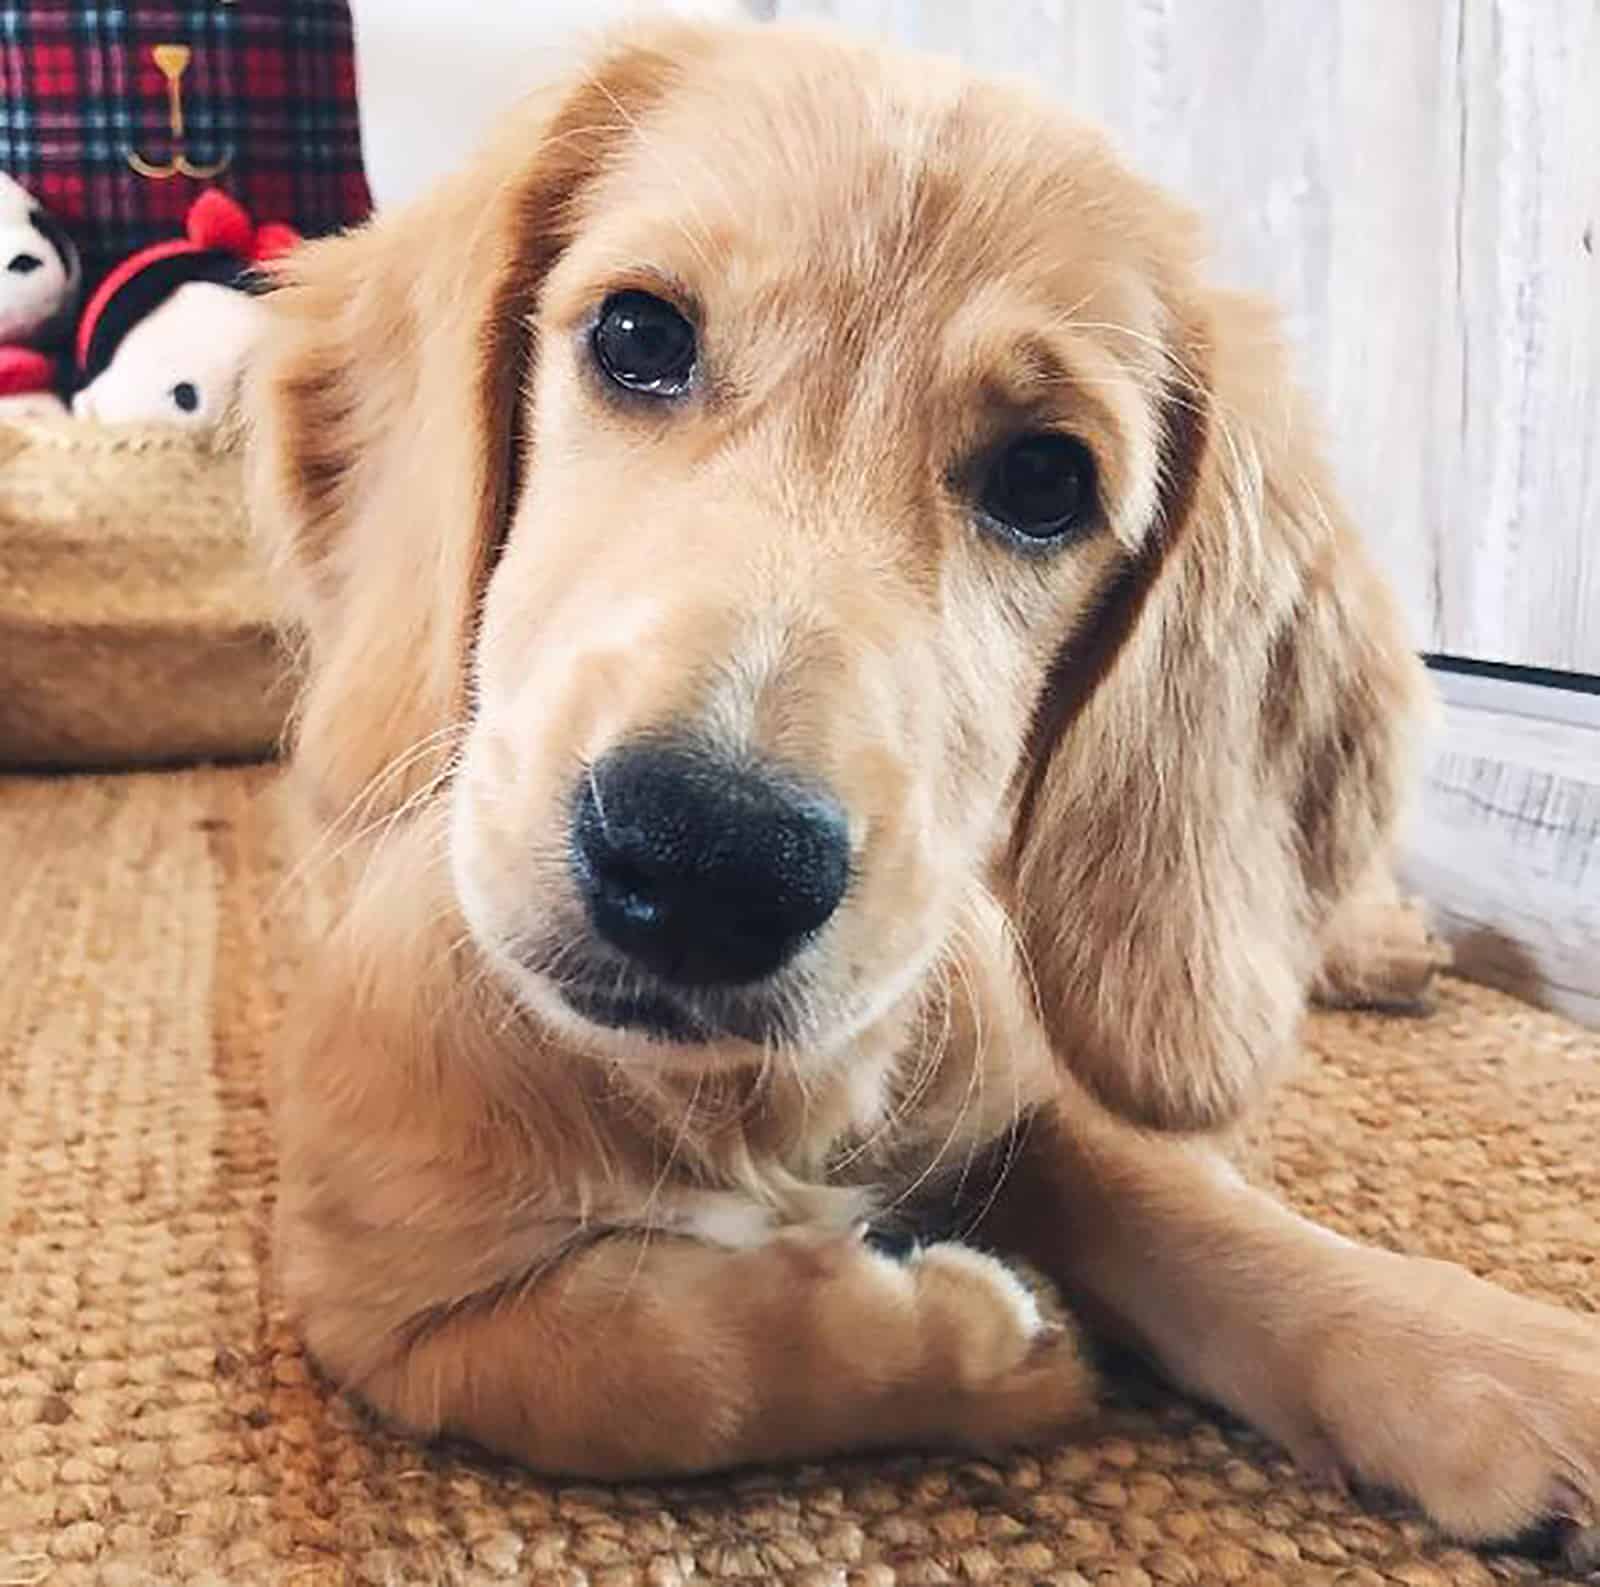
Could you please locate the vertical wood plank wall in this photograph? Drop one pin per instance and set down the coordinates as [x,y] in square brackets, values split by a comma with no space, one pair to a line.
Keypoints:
[1417,183]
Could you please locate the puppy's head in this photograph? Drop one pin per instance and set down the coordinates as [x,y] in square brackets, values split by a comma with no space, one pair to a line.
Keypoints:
[783,490]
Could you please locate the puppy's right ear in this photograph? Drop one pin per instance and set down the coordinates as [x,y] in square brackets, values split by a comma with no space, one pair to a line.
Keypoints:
[387,412]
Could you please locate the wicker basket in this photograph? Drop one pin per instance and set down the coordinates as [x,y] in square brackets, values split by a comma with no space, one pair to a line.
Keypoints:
[135,626]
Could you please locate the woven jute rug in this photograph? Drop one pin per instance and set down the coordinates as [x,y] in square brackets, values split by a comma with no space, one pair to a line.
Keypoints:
[159,1425]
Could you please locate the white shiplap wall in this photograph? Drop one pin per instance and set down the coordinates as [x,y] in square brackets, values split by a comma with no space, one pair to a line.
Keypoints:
[1417,183]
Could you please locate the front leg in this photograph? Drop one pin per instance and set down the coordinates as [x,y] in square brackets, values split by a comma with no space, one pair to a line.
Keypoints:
[651,1357]
[1404,1373]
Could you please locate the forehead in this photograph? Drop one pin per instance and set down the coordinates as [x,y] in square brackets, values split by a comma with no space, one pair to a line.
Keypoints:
[796,173]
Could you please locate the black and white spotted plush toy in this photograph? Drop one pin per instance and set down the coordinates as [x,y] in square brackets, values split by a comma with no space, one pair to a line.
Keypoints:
[40,277]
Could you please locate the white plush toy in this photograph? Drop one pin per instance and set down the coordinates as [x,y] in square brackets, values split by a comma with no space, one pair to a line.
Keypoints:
[39,279]
[166,334]
[180,363]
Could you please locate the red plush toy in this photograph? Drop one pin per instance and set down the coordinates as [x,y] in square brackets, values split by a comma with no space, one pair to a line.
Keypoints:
[25,372]
[166,334]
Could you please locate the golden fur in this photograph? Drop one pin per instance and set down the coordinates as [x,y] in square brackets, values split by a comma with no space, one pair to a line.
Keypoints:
[1114,813]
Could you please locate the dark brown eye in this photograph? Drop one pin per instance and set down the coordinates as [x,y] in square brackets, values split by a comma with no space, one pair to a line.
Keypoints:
[643,344]
[1039,486]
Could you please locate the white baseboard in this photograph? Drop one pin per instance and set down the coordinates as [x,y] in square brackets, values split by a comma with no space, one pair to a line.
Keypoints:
[1506,843]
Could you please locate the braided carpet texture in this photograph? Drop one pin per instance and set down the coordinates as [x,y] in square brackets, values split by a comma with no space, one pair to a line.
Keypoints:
[158,1424]
[135,626]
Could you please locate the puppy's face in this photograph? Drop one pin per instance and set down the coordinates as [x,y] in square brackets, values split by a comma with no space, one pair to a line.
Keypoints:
[808,485]
[847,408]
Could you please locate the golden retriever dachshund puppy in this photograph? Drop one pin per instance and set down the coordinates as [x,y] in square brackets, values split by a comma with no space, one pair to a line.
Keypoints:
[837,686]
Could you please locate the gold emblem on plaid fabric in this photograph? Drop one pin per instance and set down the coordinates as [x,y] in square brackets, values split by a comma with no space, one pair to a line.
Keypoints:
[172,61]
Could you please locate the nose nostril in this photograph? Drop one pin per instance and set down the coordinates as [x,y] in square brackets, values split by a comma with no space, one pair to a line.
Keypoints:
[623,876]
[628,888]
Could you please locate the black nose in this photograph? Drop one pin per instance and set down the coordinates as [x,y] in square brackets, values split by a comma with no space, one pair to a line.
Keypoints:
[24,264]
[702,871]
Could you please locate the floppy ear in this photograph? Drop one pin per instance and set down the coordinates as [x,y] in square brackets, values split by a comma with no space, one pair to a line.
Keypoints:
[1222,759]
[386,412]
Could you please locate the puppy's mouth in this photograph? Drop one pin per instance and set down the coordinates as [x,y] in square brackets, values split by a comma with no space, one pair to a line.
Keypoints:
[651,1014]
[681,1017]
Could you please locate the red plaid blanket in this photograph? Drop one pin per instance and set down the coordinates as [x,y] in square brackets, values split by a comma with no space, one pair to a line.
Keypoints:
[117,115]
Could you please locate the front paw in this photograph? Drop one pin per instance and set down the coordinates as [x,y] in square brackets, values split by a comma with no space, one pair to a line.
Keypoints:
[1386,960]
[1481,1406]
[1006,1370]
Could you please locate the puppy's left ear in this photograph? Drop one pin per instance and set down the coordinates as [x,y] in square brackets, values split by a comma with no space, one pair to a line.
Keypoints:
[1222,757]
[388,406]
